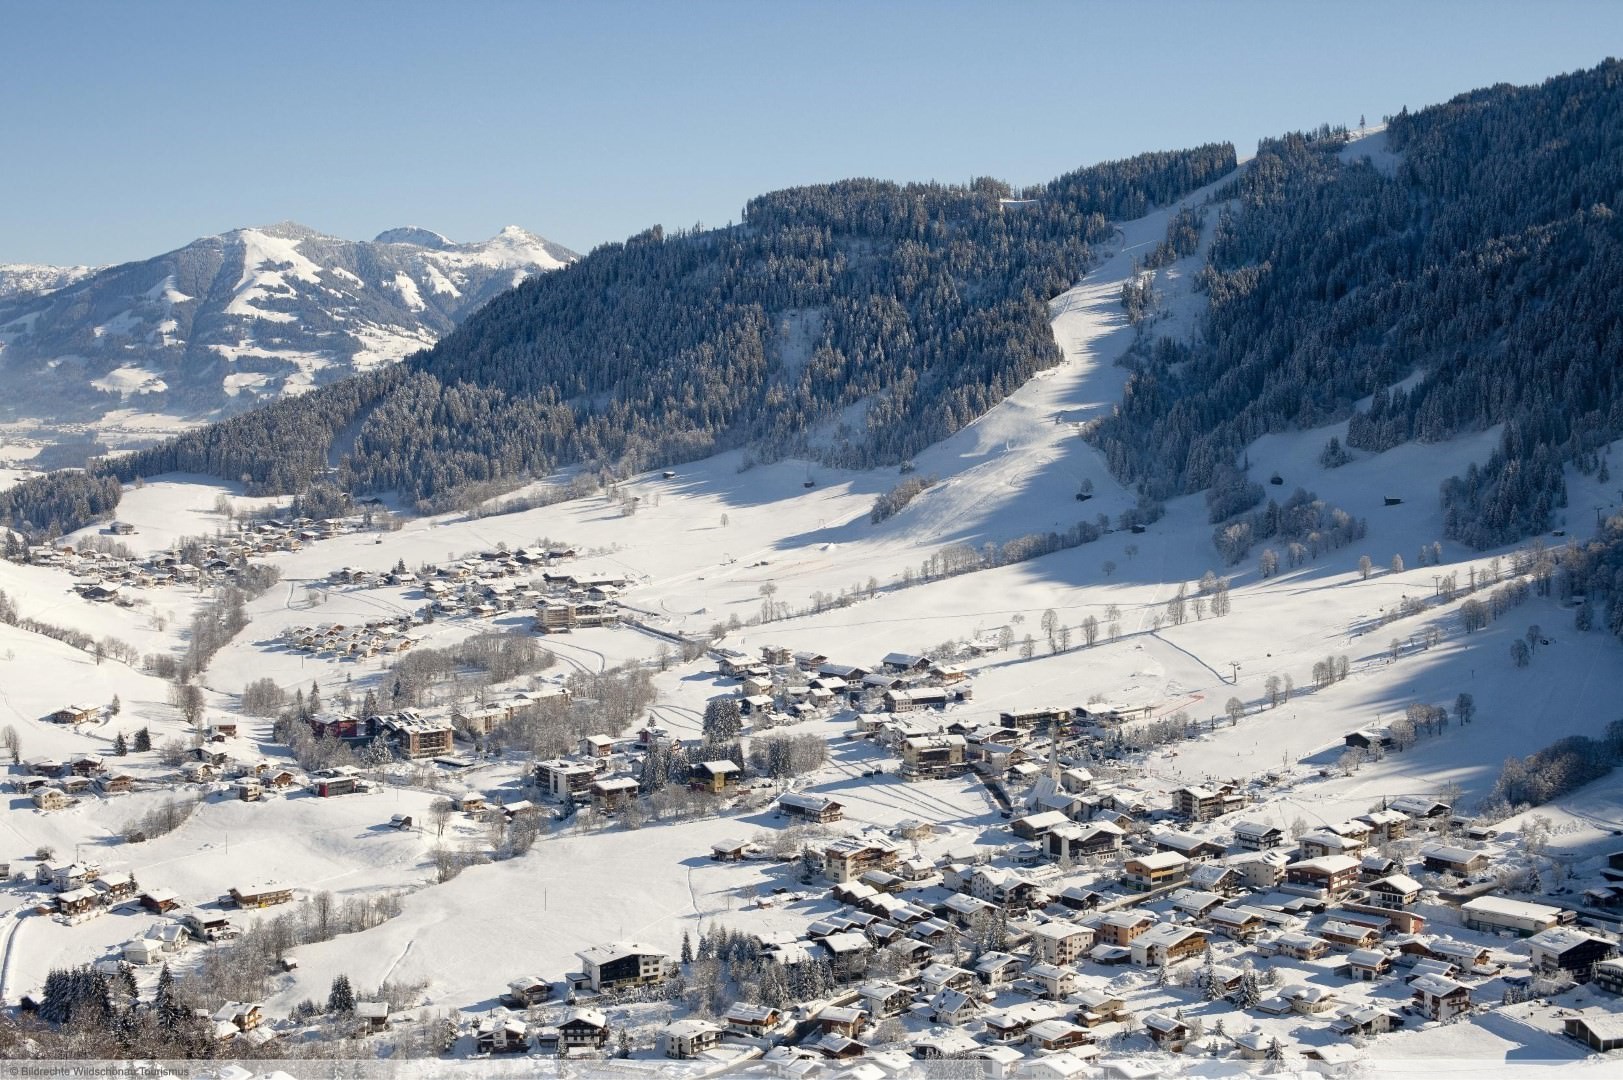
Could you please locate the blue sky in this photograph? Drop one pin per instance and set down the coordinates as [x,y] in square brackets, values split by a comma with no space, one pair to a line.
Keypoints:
[128,129]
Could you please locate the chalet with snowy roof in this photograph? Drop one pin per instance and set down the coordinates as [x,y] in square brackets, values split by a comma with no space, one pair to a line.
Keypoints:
[1310,1000]
[997,968]
[1121,928]
[1370,738]
[911,699]
[684,1039]
[75,714]
[1394,891]
[1056,981]
[1368,965]
[1060,942]
[51,798]
[902,663]
[1609,976]
[1347,936]
[412,736]
[1147,873]
[76,902]
[716,776]
[525,991]
[1011,1024]
[340,726]
[1386,825]
[1438,998]
[1449,859]
[754,1021]
[850,857]
[1420,806]
[1330,875]
[1046,716]
[1167,944]
[1264,870]
[1075,841]
[613,793]
[115,887]
[1168,1033]
[1297,946]
[1494,914]
[1191,847]
[207,925]
[962,908]
[938,977]
[1035,826]
[343,780]
[622,964]
[260,896]
[953,1010]
[1241,923]
[1569,951]
[583,1029]
[926,757]
[1206,803]
[1096,1007]
[1322,842]
[882,999]
[843,1020]
[1195,903]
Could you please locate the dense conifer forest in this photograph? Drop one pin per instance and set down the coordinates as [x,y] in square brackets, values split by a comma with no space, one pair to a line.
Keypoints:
[1490,262]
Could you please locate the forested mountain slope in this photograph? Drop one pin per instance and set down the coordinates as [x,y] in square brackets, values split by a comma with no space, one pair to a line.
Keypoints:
[1489,263]
[925,303]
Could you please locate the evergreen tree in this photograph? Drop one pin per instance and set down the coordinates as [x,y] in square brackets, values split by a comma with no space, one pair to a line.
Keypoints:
[722,719]
[120,747]
[143,740]
[341,998]
[167,1006]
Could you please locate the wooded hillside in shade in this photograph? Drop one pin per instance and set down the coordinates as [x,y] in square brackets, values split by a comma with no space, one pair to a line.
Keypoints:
[926,300]
[1491,261]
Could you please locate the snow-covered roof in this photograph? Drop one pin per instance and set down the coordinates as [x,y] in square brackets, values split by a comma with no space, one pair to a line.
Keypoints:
[1513,909]
[1435,985]
[604,954]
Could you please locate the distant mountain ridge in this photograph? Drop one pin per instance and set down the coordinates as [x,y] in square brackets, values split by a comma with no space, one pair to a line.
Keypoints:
[246,316]
[18,279]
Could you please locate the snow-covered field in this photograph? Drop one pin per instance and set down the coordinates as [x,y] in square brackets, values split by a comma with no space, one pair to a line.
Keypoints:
[715,542]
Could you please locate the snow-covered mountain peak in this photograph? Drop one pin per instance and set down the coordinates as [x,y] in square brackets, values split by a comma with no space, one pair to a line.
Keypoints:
[515,246]
[415,235]
[250,314]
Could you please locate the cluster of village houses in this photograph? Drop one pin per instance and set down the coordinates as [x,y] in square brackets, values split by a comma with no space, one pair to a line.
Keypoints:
[483,586]
[77,891]
[108,577]
[1393,914]
[1396,907]
[1395,951]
